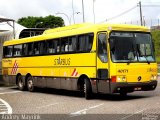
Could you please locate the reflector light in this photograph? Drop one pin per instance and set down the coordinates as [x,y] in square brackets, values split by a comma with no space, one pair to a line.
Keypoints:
[113,78]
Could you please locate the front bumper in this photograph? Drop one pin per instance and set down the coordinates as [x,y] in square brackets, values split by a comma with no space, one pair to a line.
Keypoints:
[130,87]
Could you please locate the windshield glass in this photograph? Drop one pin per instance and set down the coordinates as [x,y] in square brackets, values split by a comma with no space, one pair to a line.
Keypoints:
[131,47]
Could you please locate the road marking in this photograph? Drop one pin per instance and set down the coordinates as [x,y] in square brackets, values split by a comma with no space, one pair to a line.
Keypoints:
[84,111]
[10,92]
[48,105]
[8,109]
[5,88]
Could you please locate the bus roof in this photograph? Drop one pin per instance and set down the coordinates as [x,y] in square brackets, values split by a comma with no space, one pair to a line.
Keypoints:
[77,29]
[99,27]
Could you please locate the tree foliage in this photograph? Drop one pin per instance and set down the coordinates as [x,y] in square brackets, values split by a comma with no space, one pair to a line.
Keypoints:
[156,39]
[41,22]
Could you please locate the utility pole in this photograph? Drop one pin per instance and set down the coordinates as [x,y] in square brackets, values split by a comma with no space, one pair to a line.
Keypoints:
[140,8]
[83,10]
[144,23]
[14,33]
[73,12]
[93,11]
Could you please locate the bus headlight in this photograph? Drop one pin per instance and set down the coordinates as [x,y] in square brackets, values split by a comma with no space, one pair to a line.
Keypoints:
[124,79]
[153,77]
[121,79]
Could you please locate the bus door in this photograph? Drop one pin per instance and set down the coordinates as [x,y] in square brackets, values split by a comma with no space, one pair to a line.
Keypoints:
[102,63]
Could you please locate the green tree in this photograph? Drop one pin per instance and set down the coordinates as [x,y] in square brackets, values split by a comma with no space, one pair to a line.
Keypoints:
[156,39]
[41,22]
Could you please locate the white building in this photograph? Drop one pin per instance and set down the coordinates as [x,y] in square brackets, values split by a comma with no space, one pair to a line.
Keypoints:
[10,30]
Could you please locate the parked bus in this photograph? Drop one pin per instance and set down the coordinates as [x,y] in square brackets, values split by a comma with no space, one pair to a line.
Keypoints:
[92,58]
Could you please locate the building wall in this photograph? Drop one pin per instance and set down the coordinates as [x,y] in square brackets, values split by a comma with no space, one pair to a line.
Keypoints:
[4,36]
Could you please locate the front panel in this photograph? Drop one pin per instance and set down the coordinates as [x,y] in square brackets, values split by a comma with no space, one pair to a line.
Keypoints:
[102,63]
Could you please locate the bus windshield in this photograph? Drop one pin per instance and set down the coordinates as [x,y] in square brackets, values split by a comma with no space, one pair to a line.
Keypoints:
[131,47]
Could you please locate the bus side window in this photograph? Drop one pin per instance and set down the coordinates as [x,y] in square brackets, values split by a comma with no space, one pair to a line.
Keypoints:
[57,46]
[5,52]
[102,47]
[24,50]
[81,43]
[36,48]
[85,42]
[42,47]
[89,41]
[54,48]
[72,44]
[17,50]
[8,51]
[50,46]
[64,45]
[30,48]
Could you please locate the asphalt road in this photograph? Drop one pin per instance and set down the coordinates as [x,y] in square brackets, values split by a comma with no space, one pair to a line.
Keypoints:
[60,104]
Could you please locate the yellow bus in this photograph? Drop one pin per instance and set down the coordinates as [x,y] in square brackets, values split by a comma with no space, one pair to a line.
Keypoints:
[92,58]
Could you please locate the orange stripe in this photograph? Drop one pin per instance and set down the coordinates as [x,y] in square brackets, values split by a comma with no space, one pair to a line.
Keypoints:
[73,71]
[76,74]
[13,67]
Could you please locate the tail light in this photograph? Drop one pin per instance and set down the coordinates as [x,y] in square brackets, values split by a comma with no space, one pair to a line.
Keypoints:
[113,78]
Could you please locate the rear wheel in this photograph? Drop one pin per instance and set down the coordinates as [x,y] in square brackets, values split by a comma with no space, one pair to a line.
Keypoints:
[20,83]
[87,89]
[30,84]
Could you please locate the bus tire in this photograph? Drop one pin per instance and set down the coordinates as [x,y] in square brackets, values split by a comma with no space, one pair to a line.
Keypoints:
[123,94]
[30,84]
[20,83]
[87,89]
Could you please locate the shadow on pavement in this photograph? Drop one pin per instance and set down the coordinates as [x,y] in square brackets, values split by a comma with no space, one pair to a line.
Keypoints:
[1,81]
[77,94]
[118,97]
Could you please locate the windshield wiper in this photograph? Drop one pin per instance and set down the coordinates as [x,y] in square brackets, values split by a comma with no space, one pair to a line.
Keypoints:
[146,59]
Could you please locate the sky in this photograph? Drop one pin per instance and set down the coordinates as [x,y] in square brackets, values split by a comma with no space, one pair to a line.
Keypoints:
[104,10]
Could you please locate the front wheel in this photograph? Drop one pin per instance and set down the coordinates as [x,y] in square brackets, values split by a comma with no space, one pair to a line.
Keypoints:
[30,84]
[20,83]
[87,89]
[123,94]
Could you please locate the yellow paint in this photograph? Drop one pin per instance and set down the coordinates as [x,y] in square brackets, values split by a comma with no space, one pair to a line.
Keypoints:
[86,63]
